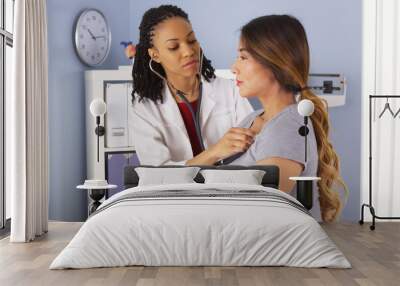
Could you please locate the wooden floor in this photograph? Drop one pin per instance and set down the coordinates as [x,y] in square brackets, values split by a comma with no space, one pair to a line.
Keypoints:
[374,255]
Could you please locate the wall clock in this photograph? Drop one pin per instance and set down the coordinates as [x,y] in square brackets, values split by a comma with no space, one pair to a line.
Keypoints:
[92,37]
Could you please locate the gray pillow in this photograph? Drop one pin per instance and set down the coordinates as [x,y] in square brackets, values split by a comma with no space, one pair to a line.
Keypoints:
[248,177]
[166,176]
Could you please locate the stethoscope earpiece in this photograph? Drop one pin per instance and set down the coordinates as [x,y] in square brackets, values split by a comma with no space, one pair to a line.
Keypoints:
[154,71]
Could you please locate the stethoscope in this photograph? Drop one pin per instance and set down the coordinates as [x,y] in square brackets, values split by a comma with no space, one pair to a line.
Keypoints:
[196,115]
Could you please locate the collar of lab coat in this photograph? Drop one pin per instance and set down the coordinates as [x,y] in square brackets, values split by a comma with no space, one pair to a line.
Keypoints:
[171,110]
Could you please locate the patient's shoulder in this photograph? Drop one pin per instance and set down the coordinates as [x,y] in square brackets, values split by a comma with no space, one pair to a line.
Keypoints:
[287,121]
[284,129]
[247,121]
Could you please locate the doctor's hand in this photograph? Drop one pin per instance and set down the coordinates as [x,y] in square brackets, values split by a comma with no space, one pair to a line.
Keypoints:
[234,141]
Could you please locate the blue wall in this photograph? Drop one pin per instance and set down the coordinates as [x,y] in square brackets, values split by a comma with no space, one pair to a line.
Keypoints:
[67,100]
[334,33]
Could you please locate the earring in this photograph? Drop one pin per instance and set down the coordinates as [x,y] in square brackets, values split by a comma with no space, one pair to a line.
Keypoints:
[297,97]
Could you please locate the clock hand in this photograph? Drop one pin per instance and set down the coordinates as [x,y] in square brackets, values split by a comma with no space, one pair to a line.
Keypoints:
[100,37]
[93,37]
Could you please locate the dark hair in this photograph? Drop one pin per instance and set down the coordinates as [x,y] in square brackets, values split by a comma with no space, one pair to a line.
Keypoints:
[279,43]
[145,83]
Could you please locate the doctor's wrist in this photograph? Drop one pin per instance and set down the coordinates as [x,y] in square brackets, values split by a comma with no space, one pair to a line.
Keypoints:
[213,154]
[207,157]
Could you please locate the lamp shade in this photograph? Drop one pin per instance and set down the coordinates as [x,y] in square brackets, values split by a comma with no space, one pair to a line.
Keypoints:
[98,107]
[305,107]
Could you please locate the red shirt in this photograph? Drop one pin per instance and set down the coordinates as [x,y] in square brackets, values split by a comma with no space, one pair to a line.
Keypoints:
[190,126]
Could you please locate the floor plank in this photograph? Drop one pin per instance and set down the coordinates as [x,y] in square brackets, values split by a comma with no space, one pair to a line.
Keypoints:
[374,255]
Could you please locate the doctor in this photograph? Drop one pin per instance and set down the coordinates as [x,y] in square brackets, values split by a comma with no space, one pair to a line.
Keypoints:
[182,114]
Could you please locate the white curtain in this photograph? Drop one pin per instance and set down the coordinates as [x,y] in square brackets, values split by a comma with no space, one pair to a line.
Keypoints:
[386,130]
[27,119]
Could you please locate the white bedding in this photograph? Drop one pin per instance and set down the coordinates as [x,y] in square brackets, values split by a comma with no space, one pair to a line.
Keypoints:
[181,231]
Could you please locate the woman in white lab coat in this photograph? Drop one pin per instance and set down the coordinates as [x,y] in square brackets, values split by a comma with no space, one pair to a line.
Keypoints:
[181,113]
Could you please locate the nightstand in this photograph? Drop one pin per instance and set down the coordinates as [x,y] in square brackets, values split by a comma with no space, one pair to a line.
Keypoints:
[304,187]
[96,190]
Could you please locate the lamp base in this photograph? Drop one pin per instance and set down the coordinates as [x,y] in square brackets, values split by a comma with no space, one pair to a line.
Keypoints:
[96,195]
[303,130]
[100,130]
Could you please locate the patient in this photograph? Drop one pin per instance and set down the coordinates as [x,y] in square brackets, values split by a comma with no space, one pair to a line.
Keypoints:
[273,65]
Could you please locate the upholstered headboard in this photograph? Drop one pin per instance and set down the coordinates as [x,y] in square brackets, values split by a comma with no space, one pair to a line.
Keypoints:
[270,179]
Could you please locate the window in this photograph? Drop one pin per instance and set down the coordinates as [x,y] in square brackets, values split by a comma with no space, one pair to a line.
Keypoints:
[6,45]
[9,13]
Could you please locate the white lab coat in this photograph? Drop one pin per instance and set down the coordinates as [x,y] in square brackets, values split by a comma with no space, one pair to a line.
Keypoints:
[159,133]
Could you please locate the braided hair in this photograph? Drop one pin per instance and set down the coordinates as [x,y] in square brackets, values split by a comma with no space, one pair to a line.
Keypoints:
[148,85]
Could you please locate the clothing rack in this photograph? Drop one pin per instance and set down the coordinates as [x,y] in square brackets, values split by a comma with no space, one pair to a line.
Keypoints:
[370,204]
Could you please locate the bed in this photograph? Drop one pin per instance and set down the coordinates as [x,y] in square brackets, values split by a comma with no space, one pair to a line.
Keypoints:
[201,224]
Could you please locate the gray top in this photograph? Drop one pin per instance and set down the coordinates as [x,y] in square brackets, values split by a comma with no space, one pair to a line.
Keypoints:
[279,137]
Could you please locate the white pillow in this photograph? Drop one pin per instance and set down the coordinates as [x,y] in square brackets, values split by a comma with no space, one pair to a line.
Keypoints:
[165,176]
[248,177]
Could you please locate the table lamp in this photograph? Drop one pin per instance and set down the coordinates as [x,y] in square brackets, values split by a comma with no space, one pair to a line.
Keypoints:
[98,108]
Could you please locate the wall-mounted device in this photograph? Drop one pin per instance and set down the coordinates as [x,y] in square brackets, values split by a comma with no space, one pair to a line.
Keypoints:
[331,87]
[92,37]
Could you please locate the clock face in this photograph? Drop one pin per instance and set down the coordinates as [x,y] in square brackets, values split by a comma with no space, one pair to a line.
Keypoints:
[92,37]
